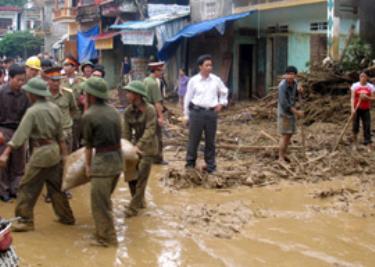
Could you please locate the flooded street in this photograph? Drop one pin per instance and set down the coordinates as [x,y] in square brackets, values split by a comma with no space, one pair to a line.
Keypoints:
[277,225]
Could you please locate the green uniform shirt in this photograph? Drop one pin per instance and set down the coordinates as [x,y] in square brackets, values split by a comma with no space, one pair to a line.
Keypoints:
[42,121]
[101,126]
[140,128]
[68,106]
[74,85]
[153,90]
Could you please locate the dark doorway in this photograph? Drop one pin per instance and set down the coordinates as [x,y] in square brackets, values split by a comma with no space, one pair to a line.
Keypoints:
[246,72]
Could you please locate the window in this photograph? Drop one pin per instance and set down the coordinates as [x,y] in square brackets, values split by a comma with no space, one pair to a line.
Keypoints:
[278,29]
[5,23]
[318,26]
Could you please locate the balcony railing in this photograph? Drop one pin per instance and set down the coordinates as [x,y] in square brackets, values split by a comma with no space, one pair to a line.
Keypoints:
[64,14]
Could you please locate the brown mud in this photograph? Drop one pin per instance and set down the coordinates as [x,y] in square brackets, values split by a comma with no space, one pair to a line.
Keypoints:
[316,211]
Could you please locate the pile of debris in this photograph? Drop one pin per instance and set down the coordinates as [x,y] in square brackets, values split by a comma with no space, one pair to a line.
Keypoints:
[247,137]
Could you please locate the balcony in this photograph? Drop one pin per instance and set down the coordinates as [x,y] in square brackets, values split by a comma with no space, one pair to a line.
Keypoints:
[64,14]
[88,13]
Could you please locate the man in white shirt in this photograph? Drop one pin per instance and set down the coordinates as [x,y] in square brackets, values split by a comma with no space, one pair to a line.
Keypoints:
[205,97]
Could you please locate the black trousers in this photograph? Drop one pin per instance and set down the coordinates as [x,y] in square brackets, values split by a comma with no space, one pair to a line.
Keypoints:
[202,121]
[364,116]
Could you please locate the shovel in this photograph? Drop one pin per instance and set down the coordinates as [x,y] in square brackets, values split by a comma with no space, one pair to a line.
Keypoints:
[302,126]
[346,126]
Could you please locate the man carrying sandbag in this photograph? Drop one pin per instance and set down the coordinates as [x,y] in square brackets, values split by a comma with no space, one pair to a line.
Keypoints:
[140,128]
[42,125]
[101,126]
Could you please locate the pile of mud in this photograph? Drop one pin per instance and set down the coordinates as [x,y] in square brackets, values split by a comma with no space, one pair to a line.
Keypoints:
[320,166]
[247,156]
[220,220]
[180,179]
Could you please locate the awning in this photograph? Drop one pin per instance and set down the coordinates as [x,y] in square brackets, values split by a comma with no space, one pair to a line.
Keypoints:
[105,35]
[144,32]
[195,29]
[138,25]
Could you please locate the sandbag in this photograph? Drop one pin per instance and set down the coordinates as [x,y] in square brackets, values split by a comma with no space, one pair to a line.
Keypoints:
[130,170]
[128,150]
[74,169]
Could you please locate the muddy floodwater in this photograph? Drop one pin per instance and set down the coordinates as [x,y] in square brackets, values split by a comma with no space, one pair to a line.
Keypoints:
[288,224]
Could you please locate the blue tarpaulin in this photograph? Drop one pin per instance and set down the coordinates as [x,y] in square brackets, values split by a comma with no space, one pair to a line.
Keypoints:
[194,29]
[86,45]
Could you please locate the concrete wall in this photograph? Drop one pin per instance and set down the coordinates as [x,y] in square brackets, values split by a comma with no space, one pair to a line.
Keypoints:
[57,30]
[298,20]
[299,50]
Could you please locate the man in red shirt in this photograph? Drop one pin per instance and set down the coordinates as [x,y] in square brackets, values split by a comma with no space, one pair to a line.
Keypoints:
[365,92]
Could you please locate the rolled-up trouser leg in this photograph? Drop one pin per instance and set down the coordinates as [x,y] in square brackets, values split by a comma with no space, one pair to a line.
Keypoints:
[60,203]
[101,207]
[144,169]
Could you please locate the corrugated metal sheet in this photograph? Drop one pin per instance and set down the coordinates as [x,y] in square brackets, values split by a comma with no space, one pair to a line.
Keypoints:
[138,25]
[165,22]
[168,30]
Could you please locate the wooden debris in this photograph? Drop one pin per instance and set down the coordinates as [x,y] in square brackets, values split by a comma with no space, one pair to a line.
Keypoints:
[268,136]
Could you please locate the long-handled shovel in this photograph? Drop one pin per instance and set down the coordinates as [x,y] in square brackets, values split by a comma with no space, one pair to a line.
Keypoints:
[346,126]
[302,126]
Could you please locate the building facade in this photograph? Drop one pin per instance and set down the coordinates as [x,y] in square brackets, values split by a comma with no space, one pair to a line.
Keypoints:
[283,33]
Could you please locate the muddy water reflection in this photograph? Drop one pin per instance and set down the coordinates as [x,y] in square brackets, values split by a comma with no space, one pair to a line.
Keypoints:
[287,227]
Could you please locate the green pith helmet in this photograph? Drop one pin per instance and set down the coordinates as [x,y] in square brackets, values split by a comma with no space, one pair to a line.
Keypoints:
[137,87]
[37,86]
[87,63]
[97,87]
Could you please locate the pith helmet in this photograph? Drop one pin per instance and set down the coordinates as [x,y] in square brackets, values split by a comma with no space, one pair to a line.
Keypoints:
[97,87]
[37,86]
[87,63]
[137,87]
[33,63]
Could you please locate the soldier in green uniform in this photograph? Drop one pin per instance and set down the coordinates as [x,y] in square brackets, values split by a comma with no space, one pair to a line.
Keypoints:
[101,126]
[155,98]
[64,99]
[140,127]
[87,69]
[72,81]
[42,125]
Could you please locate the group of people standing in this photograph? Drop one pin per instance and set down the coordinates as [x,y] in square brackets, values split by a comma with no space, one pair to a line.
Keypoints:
[47,111]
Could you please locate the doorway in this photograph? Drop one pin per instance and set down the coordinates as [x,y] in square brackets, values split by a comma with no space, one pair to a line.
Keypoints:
[245,71]
[277,59]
